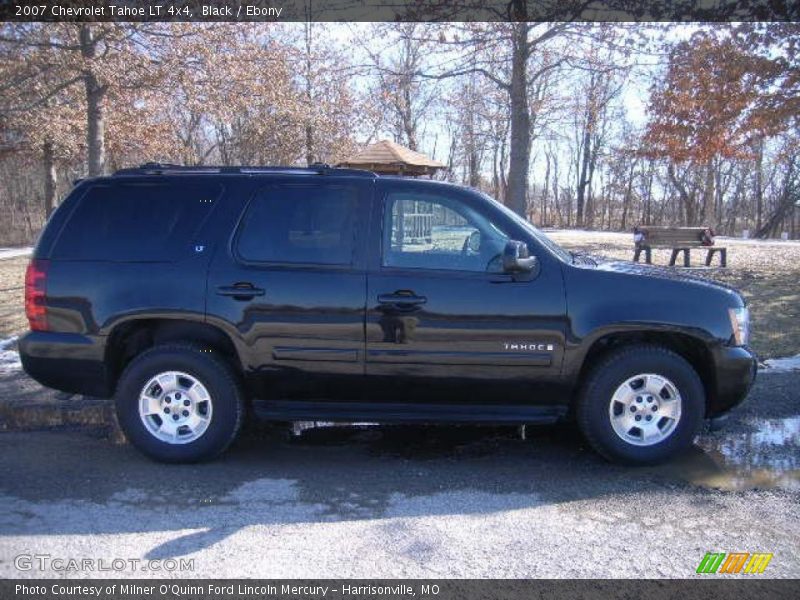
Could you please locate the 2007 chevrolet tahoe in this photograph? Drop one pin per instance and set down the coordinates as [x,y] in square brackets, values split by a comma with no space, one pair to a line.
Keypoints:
[192,295]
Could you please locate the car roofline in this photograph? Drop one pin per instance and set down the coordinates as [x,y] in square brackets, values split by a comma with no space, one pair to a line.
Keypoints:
[153,168]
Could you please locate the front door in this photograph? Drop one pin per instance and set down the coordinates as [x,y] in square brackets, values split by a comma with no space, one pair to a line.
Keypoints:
[290,288]
[444,322]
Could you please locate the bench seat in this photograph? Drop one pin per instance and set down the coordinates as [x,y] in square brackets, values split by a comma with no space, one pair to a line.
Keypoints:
[680,240]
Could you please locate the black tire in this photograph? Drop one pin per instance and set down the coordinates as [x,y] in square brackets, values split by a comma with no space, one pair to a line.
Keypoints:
[217,377]
[612,371]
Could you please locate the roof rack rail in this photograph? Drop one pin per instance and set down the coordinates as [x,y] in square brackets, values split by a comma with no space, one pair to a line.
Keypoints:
[154,168]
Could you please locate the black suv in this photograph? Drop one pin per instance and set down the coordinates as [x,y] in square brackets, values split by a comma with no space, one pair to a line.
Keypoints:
[196,295]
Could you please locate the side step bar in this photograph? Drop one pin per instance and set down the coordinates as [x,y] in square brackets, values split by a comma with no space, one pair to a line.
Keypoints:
[377,412]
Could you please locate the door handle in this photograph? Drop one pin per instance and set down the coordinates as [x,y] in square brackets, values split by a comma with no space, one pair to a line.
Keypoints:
[402,298]
[240,291]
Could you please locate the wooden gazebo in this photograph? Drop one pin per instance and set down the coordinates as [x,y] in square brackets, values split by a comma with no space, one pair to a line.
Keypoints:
[388,158]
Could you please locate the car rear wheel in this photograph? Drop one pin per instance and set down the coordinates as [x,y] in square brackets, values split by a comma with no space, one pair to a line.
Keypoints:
[179,403]
[641,404]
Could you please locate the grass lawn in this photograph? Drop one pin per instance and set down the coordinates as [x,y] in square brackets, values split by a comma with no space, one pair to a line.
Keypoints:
[768,273]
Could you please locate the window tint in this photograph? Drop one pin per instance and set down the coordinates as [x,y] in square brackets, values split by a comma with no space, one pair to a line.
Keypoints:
[300,224]
[429,232]
[135,222]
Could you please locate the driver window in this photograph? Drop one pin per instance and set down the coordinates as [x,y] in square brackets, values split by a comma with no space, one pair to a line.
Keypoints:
[430,232]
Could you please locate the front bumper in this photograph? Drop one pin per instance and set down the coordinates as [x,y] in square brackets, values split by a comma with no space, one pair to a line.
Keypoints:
[735,370]
[69,362]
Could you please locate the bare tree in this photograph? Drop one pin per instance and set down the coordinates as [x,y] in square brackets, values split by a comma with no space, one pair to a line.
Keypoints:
[397,54]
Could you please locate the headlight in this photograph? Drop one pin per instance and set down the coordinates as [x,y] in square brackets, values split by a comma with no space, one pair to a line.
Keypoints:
[740,323]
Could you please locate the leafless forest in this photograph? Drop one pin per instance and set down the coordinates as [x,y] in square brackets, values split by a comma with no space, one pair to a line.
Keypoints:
[573,124]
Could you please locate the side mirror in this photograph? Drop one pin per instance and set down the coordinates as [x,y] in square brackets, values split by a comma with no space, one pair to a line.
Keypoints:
[474,242]
[517,259]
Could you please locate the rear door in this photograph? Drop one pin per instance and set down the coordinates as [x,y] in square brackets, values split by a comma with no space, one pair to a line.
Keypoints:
[440,311]
[291,287]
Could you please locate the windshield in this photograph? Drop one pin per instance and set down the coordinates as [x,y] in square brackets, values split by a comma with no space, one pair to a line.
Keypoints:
[540,237]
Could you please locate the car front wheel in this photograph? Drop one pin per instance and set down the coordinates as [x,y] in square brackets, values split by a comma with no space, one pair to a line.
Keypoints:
[641,404]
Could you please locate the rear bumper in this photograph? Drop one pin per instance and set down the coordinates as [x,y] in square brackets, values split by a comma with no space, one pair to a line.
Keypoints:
[735,371]
[69,362]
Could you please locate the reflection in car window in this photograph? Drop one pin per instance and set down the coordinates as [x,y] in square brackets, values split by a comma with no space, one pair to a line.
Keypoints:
[300,224]
[423,231]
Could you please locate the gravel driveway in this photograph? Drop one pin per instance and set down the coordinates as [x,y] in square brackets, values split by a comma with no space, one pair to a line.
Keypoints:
[412,502]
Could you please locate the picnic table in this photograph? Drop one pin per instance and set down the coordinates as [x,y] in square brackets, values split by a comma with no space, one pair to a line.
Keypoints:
[680,240]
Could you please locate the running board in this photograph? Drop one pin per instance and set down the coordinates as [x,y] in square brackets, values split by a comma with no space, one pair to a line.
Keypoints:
[376,412]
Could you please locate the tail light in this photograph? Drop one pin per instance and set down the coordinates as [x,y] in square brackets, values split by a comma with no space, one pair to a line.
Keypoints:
[35,293]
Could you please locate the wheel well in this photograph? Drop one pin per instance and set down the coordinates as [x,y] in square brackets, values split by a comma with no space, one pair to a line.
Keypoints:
[691,349]
[130,339]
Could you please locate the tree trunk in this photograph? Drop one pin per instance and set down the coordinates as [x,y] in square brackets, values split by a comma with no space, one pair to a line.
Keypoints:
[759,183]
[310,144]
[473,160]
[409,125]
[545,191]
[409,63]
[474,170]
[588,207]
[648,199]
[720,189]
[776,218]
[50,178]
[627,199]
[470,145]
[496,173]
[95,117]
[687,200]
[789,198]
[580,196]
[503,179]
[309,93]
[709,196]
[556,205]
[520,148]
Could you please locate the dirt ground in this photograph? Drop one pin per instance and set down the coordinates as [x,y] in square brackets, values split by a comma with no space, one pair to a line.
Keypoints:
[766,272]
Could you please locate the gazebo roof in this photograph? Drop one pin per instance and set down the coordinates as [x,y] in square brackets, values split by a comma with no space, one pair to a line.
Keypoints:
[388,157]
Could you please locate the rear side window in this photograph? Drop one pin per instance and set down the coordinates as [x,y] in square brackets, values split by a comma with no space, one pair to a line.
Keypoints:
[300,224]
[135,222]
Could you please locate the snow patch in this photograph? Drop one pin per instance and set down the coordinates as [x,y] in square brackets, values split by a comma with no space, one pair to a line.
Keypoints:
[782,365]
[14,252]
[9,357]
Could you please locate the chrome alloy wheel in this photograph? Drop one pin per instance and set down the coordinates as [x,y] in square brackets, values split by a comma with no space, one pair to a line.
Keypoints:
[175,407]
[645,409]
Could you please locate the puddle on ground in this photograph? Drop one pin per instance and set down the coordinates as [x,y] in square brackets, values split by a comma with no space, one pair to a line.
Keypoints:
[757,453]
